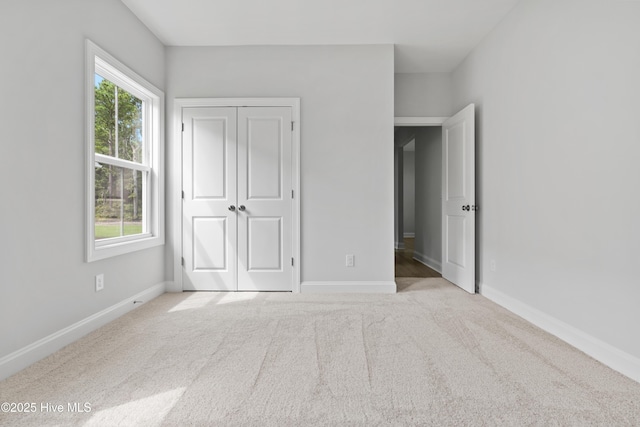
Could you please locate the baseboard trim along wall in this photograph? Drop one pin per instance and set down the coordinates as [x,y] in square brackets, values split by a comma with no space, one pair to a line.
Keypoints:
[20,359]
[611,356]
[409,235]
[429,262]
[348,287]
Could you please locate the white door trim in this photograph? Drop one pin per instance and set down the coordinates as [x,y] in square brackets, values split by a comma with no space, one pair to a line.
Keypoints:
[419,121]
[422,122]
[175,175]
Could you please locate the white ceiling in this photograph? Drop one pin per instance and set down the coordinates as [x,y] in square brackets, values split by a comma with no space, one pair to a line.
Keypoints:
[429,35]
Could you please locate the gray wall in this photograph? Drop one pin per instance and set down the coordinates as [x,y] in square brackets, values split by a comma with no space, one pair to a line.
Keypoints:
[409,191]
[557,89]
[423,95]
[46,285]
[428,158]
[346,150]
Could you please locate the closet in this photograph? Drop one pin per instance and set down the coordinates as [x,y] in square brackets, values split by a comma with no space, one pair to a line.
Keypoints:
[237,198]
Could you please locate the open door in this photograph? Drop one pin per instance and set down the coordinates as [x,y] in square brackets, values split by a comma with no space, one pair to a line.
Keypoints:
[458,199]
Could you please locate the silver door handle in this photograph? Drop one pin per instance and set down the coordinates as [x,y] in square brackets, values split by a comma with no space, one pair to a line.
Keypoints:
[232,208]
[466,208]
[241,208]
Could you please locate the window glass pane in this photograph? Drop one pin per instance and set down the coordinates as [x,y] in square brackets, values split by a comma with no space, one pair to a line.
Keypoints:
[129,126]
[118,204]
[132,212]
[115,105]
[108,213]
[105,116]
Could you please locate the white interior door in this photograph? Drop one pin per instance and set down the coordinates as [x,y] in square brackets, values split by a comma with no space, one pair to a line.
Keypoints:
[237,207]
[264,199]
[209,186]
[458,204]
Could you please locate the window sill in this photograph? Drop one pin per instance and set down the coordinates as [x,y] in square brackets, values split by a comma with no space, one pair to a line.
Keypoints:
[107,249]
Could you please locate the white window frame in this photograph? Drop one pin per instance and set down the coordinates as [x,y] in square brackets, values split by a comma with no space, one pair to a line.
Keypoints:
[98,60]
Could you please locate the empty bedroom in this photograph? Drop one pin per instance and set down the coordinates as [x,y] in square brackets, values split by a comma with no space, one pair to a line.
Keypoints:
[205,207]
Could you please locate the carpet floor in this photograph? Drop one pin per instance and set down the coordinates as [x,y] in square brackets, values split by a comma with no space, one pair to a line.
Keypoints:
[428,355]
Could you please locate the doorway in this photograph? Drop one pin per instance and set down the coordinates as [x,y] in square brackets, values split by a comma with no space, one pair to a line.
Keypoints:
[418,201]
[456,256]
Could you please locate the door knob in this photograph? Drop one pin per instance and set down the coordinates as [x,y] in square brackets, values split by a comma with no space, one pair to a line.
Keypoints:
[241,208]
[466,208]
[232,208]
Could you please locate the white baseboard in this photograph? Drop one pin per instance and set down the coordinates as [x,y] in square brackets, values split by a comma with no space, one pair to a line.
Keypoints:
[409,235]
[429,262]
[20,359]
[611,356]
[398,245]
[348,287]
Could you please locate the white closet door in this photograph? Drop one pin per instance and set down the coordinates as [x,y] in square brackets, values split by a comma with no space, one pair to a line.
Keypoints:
[209,185]
[264,199]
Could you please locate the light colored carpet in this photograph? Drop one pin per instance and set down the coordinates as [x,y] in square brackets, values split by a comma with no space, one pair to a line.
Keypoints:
[429,355]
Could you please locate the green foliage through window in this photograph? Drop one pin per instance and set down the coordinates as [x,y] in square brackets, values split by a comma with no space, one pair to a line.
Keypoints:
[118,134]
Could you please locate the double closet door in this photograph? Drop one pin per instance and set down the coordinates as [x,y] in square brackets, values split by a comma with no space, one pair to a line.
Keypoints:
[237,217]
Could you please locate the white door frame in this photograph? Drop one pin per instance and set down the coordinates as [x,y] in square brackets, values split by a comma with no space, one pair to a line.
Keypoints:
[419,121]
[425,121]
[176,173]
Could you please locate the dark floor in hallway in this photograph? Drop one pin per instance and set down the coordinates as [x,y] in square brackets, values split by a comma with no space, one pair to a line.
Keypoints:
[406,266]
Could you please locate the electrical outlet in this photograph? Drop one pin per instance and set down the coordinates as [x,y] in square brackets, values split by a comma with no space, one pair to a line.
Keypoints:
[350,260]
[492,265]
[99,282]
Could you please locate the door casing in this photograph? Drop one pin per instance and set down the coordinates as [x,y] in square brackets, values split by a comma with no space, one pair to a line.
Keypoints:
[425,121]
[176,174]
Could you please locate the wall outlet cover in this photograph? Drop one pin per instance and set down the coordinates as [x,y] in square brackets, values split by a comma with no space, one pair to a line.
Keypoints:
[350,260]
[99,282]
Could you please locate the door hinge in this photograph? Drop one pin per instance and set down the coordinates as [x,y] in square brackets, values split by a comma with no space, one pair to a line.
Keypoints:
[292,261]
[292,126]
[182,127]
[183,194]
[182,262]
[292,194]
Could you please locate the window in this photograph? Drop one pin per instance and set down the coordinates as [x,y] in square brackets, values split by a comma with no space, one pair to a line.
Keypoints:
[124,158]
